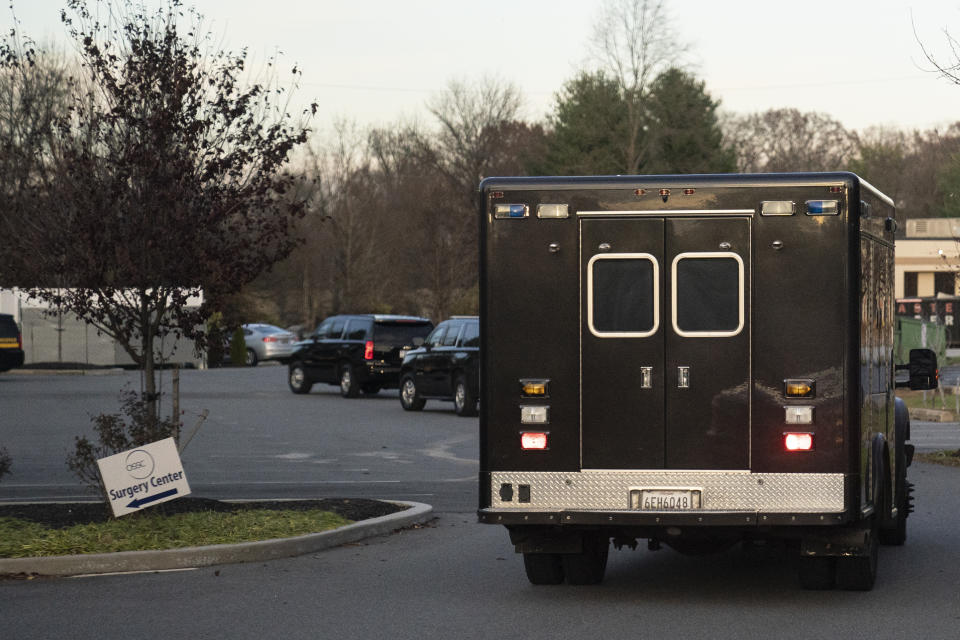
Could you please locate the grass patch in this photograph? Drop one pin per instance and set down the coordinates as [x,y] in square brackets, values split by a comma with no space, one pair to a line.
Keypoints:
[148,531]
[946,458]
[915,400]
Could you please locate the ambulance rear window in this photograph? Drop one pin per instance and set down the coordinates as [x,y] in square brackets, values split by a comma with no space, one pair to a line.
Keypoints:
[624,291]
[708,294]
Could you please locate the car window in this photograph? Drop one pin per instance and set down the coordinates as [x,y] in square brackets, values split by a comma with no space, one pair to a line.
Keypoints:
[471,335]
[436,337]
[321,331]
[399,334]
[335,328]
[356,329]
[8,328]
[450,339]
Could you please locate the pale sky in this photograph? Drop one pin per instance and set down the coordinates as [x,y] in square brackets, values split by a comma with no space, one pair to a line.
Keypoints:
[377,61]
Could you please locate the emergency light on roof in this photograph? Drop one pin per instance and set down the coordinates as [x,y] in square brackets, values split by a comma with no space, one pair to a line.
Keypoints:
[823,207]
[511,211]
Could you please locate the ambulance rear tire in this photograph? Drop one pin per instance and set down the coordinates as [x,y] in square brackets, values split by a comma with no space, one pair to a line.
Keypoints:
[818,573]
[588,566]
[858,573]
[543,568]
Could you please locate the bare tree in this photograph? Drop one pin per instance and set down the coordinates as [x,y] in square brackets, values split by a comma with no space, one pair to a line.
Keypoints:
[165,178]
[634,41]
[790,140]
[466,143]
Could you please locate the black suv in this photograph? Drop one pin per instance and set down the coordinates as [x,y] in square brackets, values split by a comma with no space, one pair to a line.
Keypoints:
[357,352]
[11,343]
[446,367]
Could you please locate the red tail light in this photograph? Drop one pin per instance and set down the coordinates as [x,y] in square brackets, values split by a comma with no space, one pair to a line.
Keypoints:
[368,350]
[536,440]
[798,441]
[269,339]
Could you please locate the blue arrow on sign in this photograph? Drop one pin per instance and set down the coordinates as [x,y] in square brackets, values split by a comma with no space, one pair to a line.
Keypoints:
[139,502]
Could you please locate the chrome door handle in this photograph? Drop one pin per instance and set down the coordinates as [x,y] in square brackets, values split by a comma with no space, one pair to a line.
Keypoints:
[683,377]
[646,377]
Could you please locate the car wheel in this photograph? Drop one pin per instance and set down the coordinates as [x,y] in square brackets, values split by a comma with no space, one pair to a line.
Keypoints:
[298,380]
[251,358]
[464,403]
[348,382]
[410,400]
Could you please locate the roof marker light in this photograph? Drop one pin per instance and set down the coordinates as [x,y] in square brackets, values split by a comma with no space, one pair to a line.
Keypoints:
[798,441]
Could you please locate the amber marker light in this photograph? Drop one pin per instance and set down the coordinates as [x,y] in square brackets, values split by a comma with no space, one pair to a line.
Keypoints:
[798,441]
[534,388]
[800,388]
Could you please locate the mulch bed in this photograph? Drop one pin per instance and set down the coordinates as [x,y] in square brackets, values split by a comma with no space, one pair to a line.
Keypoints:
[61,515]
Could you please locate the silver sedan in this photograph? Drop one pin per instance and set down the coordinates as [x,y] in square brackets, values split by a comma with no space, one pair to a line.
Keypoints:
[267,342]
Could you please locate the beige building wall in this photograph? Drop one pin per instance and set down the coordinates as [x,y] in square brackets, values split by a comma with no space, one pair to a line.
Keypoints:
[926,257]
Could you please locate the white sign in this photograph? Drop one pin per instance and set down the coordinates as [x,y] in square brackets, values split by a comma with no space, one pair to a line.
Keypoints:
[143,477]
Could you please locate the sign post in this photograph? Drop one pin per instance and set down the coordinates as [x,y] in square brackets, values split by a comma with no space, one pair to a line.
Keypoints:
[143,477]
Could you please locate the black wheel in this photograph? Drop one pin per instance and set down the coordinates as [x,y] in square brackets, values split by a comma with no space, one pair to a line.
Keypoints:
[858,573]
[297,378]
[543,568]
[464,402]
[410,399]
[370,389]
[818,572]
[252,359]
[588,566]
[348,382]
[894,531]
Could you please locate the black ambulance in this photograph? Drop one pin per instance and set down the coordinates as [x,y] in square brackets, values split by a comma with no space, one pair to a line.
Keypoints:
[693,360]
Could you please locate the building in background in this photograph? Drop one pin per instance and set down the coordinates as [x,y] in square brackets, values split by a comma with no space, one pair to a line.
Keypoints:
[928,258]
[51,337]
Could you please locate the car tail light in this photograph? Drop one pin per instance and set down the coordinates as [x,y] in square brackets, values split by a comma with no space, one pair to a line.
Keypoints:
[19,340]
[269,339]
[368,350]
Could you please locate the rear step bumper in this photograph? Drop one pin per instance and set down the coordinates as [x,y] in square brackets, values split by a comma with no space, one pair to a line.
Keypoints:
[724,498]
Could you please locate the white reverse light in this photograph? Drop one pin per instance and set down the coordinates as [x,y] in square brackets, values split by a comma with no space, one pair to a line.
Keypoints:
[534,414]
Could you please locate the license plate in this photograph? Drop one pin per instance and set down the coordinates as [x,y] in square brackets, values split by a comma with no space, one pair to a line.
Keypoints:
[664,499]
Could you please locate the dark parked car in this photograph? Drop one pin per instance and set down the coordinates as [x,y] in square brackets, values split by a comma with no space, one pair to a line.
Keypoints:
[11,343]
[357,352]
[446,367]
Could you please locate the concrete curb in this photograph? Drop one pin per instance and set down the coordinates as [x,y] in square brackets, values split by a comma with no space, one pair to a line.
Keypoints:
[190,557]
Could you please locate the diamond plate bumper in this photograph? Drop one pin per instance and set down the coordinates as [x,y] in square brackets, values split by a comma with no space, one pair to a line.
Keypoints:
[728,498]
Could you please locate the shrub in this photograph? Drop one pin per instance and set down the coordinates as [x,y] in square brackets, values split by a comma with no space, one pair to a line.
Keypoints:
[238,348]
[136,426]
